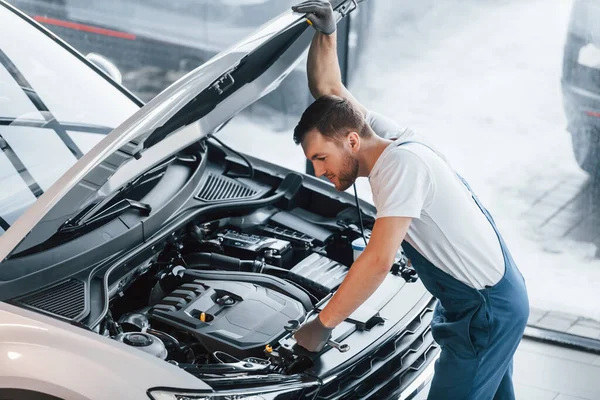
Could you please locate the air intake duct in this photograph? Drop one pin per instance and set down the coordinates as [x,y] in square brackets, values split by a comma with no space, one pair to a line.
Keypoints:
[317,273]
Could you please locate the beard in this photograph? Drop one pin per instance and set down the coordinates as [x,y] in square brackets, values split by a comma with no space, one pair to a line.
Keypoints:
[348,173]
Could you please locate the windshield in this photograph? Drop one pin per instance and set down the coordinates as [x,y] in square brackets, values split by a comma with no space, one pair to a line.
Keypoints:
[53,109]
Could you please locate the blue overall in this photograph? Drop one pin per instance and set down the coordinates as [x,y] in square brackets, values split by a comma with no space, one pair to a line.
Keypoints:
[477,330]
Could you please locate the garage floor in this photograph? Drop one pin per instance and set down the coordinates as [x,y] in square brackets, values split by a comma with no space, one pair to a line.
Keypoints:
[564,208]
[547,372]
[567,208]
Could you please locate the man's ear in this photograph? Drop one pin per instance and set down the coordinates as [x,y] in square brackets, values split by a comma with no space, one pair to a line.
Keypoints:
[353,141]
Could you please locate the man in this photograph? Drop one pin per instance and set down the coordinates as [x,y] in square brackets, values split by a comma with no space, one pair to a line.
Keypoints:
[450,238]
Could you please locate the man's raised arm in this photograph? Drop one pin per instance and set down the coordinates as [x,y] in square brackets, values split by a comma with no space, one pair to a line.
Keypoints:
[324,75]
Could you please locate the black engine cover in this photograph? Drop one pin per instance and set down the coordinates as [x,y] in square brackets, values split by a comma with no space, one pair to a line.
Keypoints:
[238,318]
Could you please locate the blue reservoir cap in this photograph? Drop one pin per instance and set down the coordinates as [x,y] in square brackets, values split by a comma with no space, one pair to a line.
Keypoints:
[358,244]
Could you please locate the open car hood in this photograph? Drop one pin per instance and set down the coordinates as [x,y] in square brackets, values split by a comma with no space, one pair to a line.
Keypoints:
[195,106]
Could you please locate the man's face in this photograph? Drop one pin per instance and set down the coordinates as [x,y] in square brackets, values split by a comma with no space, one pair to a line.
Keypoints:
[334,159]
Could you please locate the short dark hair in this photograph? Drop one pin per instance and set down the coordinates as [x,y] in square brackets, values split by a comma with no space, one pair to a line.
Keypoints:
[333,117]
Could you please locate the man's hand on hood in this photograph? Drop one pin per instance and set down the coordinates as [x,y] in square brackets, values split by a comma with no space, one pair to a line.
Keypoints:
[319,13]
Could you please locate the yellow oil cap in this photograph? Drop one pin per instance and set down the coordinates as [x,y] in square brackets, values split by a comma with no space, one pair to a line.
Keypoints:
[268,348]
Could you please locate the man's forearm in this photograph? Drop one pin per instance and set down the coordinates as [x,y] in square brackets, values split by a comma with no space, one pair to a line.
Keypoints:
[324,75]
[365,276]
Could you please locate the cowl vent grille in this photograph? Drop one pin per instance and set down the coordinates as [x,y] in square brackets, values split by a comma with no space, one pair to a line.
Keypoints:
[219,187]
[67,299]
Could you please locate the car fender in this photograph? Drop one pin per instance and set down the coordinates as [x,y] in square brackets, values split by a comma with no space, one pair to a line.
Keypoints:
[51,356]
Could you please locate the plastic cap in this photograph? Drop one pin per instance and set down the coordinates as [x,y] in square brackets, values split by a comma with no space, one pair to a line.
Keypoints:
[358,244]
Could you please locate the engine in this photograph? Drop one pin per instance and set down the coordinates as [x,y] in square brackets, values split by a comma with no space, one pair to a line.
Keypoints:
[219,295]
[226,289]
[238,318]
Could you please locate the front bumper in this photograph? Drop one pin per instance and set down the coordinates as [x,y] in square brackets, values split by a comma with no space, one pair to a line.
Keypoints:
[582,108]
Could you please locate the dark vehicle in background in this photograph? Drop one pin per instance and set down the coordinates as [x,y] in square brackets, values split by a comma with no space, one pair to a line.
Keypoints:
[581,83]
[155,42]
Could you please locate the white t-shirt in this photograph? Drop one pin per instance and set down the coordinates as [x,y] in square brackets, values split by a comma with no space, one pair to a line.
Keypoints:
[448,228]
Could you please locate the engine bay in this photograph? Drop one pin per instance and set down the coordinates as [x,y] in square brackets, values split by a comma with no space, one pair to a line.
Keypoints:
[224,291]
[219,298]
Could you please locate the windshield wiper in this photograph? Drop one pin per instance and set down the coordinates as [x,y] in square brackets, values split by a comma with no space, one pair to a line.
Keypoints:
[99,211]
[109,213]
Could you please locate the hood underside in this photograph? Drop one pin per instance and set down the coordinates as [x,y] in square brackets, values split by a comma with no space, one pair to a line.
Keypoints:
[195,106]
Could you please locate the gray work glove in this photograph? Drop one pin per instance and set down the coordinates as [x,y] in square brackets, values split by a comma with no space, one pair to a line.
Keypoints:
[319,13]
[313,335]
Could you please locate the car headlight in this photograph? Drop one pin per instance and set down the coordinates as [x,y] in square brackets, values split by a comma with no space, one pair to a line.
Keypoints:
[589,56]
[305,390]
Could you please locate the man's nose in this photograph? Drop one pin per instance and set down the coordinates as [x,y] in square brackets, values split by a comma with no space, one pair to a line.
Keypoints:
[319,171]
